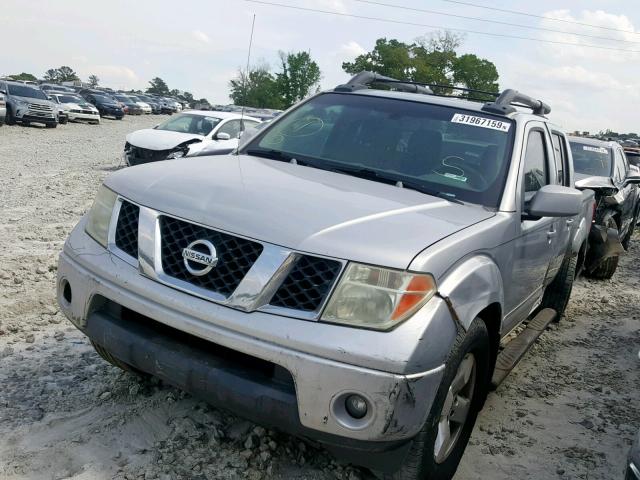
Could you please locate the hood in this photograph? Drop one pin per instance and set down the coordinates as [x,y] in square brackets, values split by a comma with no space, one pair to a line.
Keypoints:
[41,101]
[298,207]
[153,139]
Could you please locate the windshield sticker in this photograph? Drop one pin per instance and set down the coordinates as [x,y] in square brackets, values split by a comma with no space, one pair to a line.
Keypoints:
[594,149]
[481,122]
[453,176]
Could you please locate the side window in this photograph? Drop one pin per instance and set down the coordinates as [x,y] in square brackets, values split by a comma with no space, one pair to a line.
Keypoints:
[625,161]
[560,153]
[247,124]
[232,127]
[535,164]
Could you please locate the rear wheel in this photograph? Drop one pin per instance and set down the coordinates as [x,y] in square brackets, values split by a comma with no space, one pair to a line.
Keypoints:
[52,125]
[558,292]
[606,269]
[437,449]
[627,238]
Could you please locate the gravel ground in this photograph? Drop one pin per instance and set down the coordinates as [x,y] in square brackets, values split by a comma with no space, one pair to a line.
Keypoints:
[568,411]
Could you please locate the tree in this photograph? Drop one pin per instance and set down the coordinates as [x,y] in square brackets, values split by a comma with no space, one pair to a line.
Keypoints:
[93,81]
[27,77]
[158,87]
[300,74]
[476,73]
[52,75]
[432,60]
[67,74]
[258,89]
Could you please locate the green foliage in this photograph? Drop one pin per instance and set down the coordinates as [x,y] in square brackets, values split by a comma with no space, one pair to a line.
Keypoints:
[433,60]
[26,77]
[298,77]
[158,87]
[62,74]
[300,74]
[94,81]
[258,89]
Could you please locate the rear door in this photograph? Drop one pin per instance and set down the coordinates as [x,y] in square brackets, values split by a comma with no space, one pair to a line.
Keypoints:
[536,239]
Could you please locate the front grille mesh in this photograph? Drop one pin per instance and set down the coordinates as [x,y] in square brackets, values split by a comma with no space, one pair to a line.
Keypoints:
[235,255]
[127,228]
[307,285]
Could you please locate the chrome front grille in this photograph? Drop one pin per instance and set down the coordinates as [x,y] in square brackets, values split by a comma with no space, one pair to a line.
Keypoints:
[248,275]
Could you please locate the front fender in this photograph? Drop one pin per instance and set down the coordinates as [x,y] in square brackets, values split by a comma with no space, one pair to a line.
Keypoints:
[580,235]
[471,286]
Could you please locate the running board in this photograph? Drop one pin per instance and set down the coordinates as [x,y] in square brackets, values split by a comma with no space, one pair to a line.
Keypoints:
[513,352]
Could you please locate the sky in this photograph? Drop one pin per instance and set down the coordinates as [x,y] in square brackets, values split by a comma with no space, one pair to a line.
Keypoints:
[199,45]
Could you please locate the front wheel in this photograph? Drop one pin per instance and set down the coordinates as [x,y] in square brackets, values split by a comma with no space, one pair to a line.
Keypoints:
[9,119]
[437,449]
[52,125]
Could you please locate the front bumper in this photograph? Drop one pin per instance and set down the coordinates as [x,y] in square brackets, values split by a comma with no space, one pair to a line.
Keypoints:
[74,116]
[399,404]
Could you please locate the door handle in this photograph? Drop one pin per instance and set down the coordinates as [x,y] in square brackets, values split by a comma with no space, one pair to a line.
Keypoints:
[570,221]
[551,234]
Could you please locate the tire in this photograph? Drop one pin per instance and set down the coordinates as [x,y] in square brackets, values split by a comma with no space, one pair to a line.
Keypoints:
[52,125]
[421,463]
[558,292]
[104,353]
[627,238]
[9,120]
[606,269]
[63,122]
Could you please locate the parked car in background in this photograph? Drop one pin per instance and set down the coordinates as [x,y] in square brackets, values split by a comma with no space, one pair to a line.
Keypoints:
[602,166]
[156,109]
[146,108]
[131,107]
[348,276]
[28,104]
[52,87]
[76,107]
[167,105]
[3,107]
[633,155]
[186,134]
[107,106]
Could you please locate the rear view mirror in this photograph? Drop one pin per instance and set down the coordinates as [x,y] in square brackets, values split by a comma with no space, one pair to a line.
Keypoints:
[555,201]
[223,136]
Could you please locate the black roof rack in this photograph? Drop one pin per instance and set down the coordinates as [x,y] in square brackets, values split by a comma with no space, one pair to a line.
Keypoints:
[509,99]
[504,103]
[365,79]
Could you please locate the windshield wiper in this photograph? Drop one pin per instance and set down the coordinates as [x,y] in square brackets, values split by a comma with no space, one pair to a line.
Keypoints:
[271,154]
[400,182]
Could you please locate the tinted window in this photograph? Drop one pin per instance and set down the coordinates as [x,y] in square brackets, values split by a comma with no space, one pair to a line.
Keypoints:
[620,167]
[591,160]
[457,153]
[535,163]
[25,91]
[560,154]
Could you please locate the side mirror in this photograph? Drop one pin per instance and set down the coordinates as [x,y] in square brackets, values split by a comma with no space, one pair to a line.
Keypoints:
[554,201]
[634,175]
[3,91]
[223,136]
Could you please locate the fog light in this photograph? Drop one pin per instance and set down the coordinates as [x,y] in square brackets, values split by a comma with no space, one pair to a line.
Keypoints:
[356,406]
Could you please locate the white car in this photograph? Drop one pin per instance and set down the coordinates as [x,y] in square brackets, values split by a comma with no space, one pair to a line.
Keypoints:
[146,108]
[187,134]
[75,107]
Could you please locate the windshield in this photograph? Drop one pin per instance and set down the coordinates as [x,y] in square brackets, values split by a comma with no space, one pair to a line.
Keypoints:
[25,91]
[135,99]
[455,153]
[103,99]
[591,159]
[123,99]
[188,123]
[69,99]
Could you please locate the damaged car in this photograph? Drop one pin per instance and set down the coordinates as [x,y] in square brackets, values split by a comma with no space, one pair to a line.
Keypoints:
[602,166]
[349,276]
[187,134]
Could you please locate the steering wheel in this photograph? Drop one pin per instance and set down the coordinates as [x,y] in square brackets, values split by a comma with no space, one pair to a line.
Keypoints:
[476,179]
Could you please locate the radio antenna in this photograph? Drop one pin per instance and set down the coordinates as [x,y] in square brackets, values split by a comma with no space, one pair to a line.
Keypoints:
[246,74]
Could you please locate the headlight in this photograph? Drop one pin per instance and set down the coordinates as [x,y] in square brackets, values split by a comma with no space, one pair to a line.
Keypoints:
[176,154]
[378,298]
[100,216]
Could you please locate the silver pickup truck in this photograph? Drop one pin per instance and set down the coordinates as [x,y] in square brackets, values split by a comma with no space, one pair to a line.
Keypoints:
[349,275]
